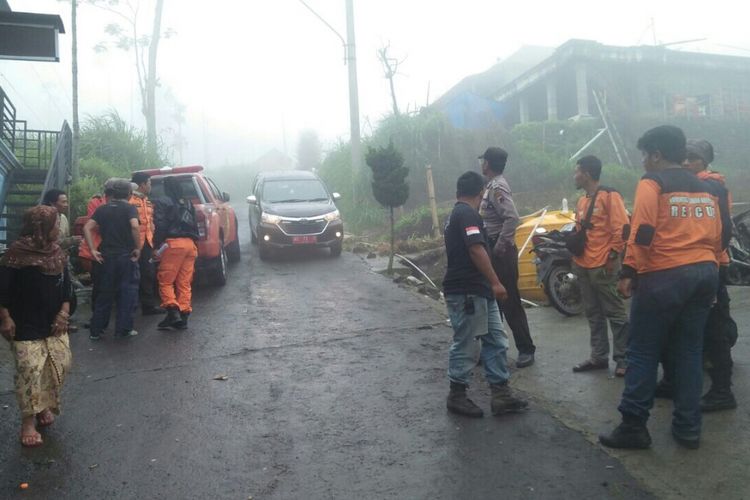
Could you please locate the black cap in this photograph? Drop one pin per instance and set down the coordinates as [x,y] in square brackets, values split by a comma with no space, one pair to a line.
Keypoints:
[702,149]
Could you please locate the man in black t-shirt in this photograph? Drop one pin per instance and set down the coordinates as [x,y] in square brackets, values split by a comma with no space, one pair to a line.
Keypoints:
[471,291]
[117,222]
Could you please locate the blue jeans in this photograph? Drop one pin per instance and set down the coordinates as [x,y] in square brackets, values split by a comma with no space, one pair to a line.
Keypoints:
[473,316]
[676,300]
[119,278]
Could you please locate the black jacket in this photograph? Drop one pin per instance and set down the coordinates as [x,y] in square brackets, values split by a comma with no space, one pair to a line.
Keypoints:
[174,220]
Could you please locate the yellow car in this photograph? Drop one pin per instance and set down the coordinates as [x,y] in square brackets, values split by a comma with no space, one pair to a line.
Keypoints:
[528,284]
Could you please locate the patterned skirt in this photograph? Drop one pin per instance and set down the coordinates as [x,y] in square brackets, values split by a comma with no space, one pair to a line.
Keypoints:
[41,366]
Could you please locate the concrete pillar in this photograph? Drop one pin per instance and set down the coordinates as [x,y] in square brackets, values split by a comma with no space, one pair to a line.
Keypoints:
[582,90]
[523,104]
[552,100]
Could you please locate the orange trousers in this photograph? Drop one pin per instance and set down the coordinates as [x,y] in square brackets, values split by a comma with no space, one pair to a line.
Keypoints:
[175,276]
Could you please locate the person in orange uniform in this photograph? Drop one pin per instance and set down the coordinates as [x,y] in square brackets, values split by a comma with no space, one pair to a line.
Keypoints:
[671,270]
[86,256]
[721,330]
[174,218]
[598,266]
[147,286]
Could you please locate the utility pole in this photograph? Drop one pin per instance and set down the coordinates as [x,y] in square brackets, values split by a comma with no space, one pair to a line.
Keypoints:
[74,71]
[350,54]
[351,59]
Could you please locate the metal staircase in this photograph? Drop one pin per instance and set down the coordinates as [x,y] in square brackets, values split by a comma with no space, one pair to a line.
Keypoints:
[31,162]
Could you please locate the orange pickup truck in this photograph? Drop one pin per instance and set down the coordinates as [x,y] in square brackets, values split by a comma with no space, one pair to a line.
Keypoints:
[217,223]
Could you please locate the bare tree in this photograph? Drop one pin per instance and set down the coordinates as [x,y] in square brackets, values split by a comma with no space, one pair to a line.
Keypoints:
[129,36]
[390,68]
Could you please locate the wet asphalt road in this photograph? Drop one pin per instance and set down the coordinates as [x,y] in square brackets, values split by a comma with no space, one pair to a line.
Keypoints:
[336,389]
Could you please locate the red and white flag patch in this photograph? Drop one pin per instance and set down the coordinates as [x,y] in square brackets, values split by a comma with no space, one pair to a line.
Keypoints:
[472,230]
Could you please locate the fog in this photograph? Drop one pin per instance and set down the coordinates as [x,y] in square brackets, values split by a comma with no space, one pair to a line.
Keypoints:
[252,74]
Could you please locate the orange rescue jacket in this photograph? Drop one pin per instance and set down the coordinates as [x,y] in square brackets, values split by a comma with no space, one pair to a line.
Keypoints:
[605,233]
[145,217]
[676,222]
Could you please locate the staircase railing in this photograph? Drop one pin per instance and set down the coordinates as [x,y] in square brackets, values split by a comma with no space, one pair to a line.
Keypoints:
[60,172]
[7,120]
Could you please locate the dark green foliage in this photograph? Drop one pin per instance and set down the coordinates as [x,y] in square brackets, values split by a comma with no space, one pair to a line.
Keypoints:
[336,171]
[388,175]
[539,169]
[109,147]
[112,139]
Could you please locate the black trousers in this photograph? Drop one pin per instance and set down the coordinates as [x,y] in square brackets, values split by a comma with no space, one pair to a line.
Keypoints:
[720,335]
[147,287]
[507,272]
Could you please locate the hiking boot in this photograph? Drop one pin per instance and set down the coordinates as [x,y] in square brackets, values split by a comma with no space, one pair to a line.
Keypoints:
[717,400]
[690,443]
[171,319]
[630,434]
[664,389]
[460,404]
[525,359]
[183,323]
[503,400]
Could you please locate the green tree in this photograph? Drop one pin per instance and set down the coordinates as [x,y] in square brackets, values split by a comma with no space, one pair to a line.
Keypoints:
[388,183]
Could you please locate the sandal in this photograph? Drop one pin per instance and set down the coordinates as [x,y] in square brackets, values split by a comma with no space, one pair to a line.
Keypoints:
[589,365]
[31,440]
[45,418]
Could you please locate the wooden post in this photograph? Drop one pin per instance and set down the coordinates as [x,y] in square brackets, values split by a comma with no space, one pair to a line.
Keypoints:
[433,203]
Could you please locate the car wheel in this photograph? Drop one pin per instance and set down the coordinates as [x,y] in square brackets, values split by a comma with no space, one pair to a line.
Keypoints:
[336,249]
[219,273]
[264,251]
[233,249]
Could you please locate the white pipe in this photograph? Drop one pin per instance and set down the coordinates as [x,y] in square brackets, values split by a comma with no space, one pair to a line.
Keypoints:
[413,265]
[533,231]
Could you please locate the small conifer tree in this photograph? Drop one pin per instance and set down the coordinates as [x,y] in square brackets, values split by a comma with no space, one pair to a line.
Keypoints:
[388,183]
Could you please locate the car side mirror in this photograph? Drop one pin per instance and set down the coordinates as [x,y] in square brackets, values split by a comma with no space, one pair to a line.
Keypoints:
[252,199]
[336,196]
[225,196]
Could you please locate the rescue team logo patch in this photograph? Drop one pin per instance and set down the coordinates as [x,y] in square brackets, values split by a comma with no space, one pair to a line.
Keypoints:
[472,230]
[698,207]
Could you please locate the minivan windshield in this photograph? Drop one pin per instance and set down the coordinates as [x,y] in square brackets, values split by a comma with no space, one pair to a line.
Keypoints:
[294,190]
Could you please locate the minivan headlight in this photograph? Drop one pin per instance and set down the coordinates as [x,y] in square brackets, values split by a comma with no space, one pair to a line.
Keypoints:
[332,216]
[270,218]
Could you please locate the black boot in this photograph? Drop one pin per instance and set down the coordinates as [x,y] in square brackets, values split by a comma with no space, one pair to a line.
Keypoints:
[171,319]
[719,396]
[459,403]
[631,434]
[503,400]
[183,323]
[718,399]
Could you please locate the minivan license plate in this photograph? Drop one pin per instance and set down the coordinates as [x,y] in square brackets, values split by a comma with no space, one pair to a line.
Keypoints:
[304,240]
